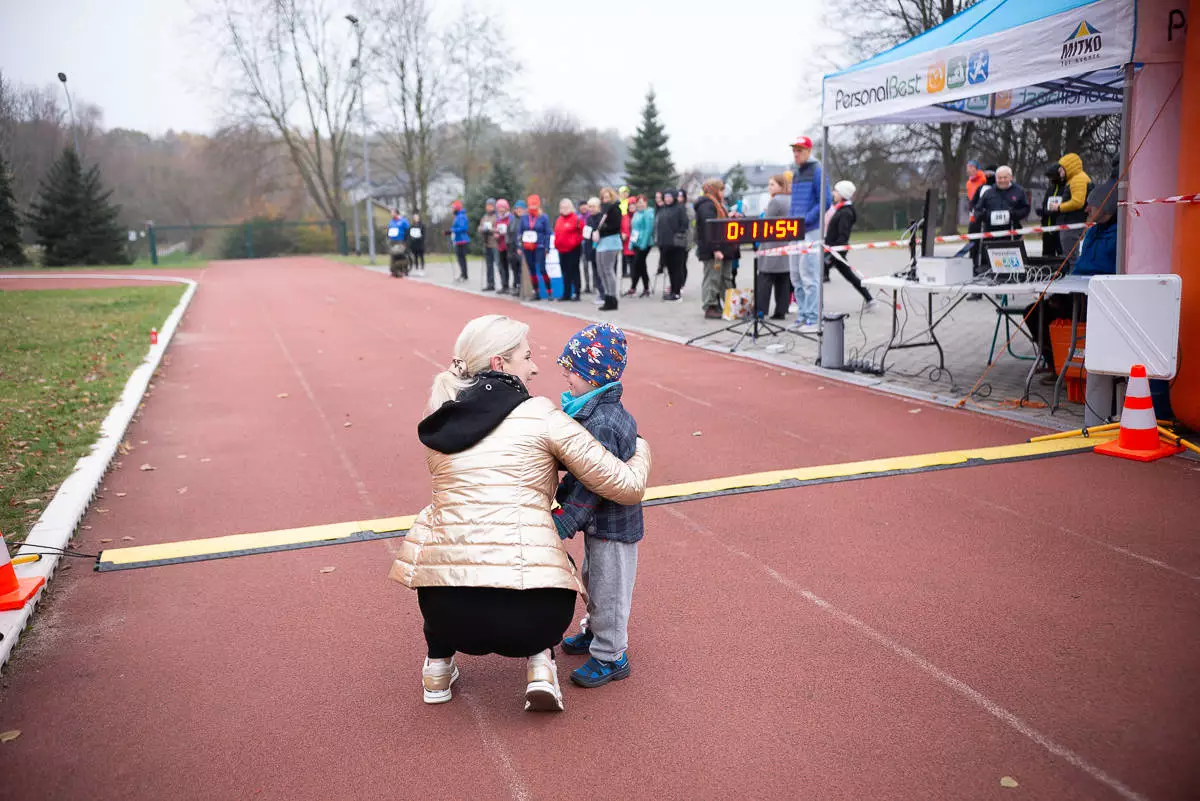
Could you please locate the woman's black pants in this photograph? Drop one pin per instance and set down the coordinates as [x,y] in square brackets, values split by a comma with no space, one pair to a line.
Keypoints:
[491,620]
[569,262]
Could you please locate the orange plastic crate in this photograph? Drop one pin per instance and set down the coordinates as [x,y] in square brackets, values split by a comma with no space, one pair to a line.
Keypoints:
[1060,342]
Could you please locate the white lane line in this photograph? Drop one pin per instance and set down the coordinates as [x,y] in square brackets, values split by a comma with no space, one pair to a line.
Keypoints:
[434,362]
[359,484]
[1161,565]
[494,745]
[918,661]
[683,395]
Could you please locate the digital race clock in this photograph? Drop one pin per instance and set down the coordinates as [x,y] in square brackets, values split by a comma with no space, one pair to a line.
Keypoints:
[744,230]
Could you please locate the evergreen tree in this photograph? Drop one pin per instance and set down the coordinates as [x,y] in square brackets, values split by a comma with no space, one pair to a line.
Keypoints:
[11,253]
[503,182]
[736,183]
[649,168]
[73,220]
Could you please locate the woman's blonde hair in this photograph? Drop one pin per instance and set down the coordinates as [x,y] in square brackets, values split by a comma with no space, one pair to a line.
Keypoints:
[480,340]
[567,200]
[608,194]
[783,180]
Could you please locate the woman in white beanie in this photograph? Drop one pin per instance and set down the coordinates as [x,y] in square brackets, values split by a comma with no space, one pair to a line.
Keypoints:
[839,221]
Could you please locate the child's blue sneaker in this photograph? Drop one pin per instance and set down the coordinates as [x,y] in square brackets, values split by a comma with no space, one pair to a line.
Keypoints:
[577,644]
[596,672]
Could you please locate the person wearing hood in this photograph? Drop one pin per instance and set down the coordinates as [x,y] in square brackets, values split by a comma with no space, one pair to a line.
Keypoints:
[715,257]
[504,221]
[491,573]
[607,238]
[839,222]
[671,233]
[460,238]
[535,241]
[1072,206]
[487,230]
[516,256]
[568,241]
[1097,256]
[416,244]
[1056,187]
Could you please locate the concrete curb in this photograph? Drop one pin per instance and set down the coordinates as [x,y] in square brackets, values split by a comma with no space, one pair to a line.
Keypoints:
[866,382]
[57,524]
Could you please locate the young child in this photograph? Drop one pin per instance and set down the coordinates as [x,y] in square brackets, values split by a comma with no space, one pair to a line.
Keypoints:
[593,361]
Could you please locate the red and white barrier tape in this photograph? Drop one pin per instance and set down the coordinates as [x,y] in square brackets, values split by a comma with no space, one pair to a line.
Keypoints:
[1193,198]
[810,247]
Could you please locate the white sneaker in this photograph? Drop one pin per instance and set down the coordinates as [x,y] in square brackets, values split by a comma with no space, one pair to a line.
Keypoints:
[808,328]
[873,305]
[793,308]
[542,693]
[437,676]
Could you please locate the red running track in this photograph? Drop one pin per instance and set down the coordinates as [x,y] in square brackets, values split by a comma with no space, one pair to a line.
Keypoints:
[912,637]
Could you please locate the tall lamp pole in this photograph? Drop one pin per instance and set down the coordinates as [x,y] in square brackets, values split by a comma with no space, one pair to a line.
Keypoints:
[362,102]
[62,76]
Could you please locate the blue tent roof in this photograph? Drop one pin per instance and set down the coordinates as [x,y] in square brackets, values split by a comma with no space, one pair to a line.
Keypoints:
[985,18]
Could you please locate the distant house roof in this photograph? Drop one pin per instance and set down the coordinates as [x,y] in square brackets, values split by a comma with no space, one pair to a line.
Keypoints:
[757,175]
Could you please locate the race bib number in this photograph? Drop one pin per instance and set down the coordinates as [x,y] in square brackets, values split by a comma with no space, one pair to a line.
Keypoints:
[502,229]
[415,233]
[587,232]
[1053,202]
[529,237]
[999,218]
[487,226]
[393,232]
[633,238]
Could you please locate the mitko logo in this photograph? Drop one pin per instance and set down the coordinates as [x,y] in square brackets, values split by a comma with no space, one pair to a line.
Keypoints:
[953,73]
[1084,44]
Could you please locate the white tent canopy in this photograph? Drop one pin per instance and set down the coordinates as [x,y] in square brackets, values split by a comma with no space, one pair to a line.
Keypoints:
[1005,59]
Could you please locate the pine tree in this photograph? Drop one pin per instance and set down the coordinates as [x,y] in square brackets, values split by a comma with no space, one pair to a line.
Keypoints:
[11,252]
[502,182]
[649,168]
[73,220]
[736,183]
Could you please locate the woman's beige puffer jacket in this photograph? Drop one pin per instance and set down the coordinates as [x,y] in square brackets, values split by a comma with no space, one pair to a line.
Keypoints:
[489,524]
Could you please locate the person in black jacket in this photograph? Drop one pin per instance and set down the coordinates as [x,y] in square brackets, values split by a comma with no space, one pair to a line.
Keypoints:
[607,237]
[839,222]
[1056,187]
[715,256]
[671,233]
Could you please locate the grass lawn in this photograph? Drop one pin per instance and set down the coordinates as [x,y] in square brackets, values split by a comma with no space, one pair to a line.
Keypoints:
[66,356]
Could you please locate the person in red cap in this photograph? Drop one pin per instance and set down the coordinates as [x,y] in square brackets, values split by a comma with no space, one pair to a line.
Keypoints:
[808,186]
[460,237]
[535,240]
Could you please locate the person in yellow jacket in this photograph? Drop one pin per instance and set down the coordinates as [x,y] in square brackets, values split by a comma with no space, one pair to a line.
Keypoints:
[1071,208]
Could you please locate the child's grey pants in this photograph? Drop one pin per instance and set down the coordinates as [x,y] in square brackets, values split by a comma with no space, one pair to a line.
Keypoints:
[609,569]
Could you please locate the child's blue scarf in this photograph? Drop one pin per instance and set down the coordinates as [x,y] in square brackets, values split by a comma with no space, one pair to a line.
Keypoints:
[573,406]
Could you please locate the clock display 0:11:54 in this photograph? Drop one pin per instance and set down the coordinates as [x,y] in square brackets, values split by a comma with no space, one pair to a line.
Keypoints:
[779,229]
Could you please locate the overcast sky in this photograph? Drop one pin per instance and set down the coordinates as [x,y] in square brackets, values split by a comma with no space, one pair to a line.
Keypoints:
[735,81]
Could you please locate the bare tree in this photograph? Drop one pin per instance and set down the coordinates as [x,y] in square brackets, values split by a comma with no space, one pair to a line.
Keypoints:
[481,71]
[560,156]
[410,64]
[291,65]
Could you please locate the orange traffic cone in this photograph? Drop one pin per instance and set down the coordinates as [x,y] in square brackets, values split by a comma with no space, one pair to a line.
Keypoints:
[1138,438]
[14,592]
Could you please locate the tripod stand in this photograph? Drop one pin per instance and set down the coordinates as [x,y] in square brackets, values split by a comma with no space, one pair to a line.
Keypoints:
[754,328]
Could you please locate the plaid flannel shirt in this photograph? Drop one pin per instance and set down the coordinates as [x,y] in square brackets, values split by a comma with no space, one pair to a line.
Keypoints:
[613,426]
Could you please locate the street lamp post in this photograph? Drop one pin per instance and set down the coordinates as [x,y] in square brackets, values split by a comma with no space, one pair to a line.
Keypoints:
[362,101]
[62,76]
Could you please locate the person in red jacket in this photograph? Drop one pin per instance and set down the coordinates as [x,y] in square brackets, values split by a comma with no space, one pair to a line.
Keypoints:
[568,241]
[626,246]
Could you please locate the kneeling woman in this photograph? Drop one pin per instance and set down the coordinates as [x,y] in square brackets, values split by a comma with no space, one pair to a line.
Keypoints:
[491,573]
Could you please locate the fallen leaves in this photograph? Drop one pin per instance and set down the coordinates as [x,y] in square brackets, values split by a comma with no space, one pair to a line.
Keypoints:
[697,433]
[10,735]
[181,456]
[182,490]
[1008,781]
[914,411]
[126,538]
[146,467]
[328,569]
[347,424]
[122,494]
[106,540]
[282,395]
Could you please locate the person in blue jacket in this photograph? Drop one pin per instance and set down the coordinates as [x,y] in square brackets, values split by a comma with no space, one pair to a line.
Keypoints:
[460,237]
[535,241]
[1097,256]
[398,227]
[808,183]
